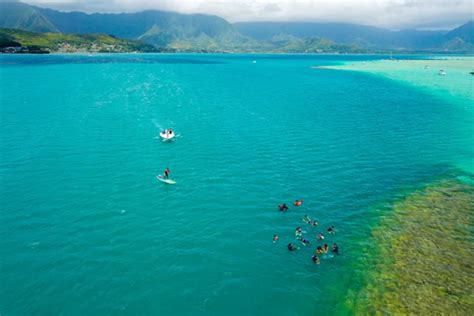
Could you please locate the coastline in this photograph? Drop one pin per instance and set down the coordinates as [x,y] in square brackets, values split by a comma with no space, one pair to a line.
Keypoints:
[433,55]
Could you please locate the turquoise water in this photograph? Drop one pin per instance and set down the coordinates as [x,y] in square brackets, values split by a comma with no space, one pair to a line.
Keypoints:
[87,229]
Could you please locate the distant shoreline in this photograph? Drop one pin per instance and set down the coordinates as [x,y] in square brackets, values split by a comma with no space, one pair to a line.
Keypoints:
[244,53]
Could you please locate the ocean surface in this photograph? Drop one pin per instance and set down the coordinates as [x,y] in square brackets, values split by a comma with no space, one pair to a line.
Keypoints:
[86,229]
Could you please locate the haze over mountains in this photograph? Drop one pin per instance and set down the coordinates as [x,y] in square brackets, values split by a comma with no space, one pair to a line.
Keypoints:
[200,32]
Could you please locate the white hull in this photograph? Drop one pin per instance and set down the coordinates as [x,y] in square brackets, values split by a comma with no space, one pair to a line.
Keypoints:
[167,181]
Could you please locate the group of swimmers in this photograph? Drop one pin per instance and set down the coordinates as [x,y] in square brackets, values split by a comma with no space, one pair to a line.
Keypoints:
[299,234]
[324,249]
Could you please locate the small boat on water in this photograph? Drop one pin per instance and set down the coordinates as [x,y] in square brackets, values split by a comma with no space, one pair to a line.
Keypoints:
[442,72]
[167,134]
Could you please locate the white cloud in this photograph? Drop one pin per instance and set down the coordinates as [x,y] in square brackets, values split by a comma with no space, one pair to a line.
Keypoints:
[393,14]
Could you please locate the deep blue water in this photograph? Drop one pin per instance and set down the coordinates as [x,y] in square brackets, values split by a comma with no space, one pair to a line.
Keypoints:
[87,229]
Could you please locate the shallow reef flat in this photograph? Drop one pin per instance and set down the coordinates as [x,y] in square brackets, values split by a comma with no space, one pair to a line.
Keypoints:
[454,86]
[423,261]
[425,73]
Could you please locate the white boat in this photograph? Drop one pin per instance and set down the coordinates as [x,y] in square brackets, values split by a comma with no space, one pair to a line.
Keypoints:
[442,72]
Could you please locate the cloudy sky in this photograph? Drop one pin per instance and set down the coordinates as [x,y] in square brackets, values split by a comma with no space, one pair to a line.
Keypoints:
[394,14]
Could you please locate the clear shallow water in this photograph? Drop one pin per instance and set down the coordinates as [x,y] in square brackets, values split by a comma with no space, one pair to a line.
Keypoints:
[422,263]
[86,228]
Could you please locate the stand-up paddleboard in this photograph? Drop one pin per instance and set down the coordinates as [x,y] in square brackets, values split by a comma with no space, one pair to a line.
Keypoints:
[162,179]
[167,136]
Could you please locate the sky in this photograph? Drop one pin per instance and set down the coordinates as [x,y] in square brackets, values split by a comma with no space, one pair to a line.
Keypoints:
[393,14]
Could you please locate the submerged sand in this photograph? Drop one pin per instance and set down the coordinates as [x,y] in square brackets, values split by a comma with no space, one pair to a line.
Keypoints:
[455,87]
[423,262]
[424,73]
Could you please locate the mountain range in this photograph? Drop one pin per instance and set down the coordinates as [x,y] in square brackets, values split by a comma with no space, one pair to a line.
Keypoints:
[209,33]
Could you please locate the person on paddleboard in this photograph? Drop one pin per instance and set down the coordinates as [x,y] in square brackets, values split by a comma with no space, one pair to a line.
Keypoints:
[166,173]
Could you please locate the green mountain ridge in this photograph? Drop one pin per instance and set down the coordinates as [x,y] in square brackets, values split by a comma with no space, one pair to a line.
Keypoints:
[25,17]
[368,37]
[12,40]
[209,33]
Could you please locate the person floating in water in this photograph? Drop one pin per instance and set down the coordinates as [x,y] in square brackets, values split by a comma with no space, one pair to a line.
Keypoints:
[325,248]
[320,236]
[331,230]
[335,249]
[275,238]
[283,207]
[310,221]
[305,242]
[315,259]
[292,247]
[298,203]
[166,174]
[299,232]
[319,250]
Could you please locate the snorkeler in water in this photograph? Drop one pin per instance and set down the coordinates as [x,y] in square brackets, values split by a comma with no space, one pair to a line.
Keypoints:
[298,232]
[292,247]
[310,221]
[320,236]
[275,238]
[305,242]
[325,248]
[315,259]
[319,250]
[331,230]
[335,249]
[283,207]
[298,202]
